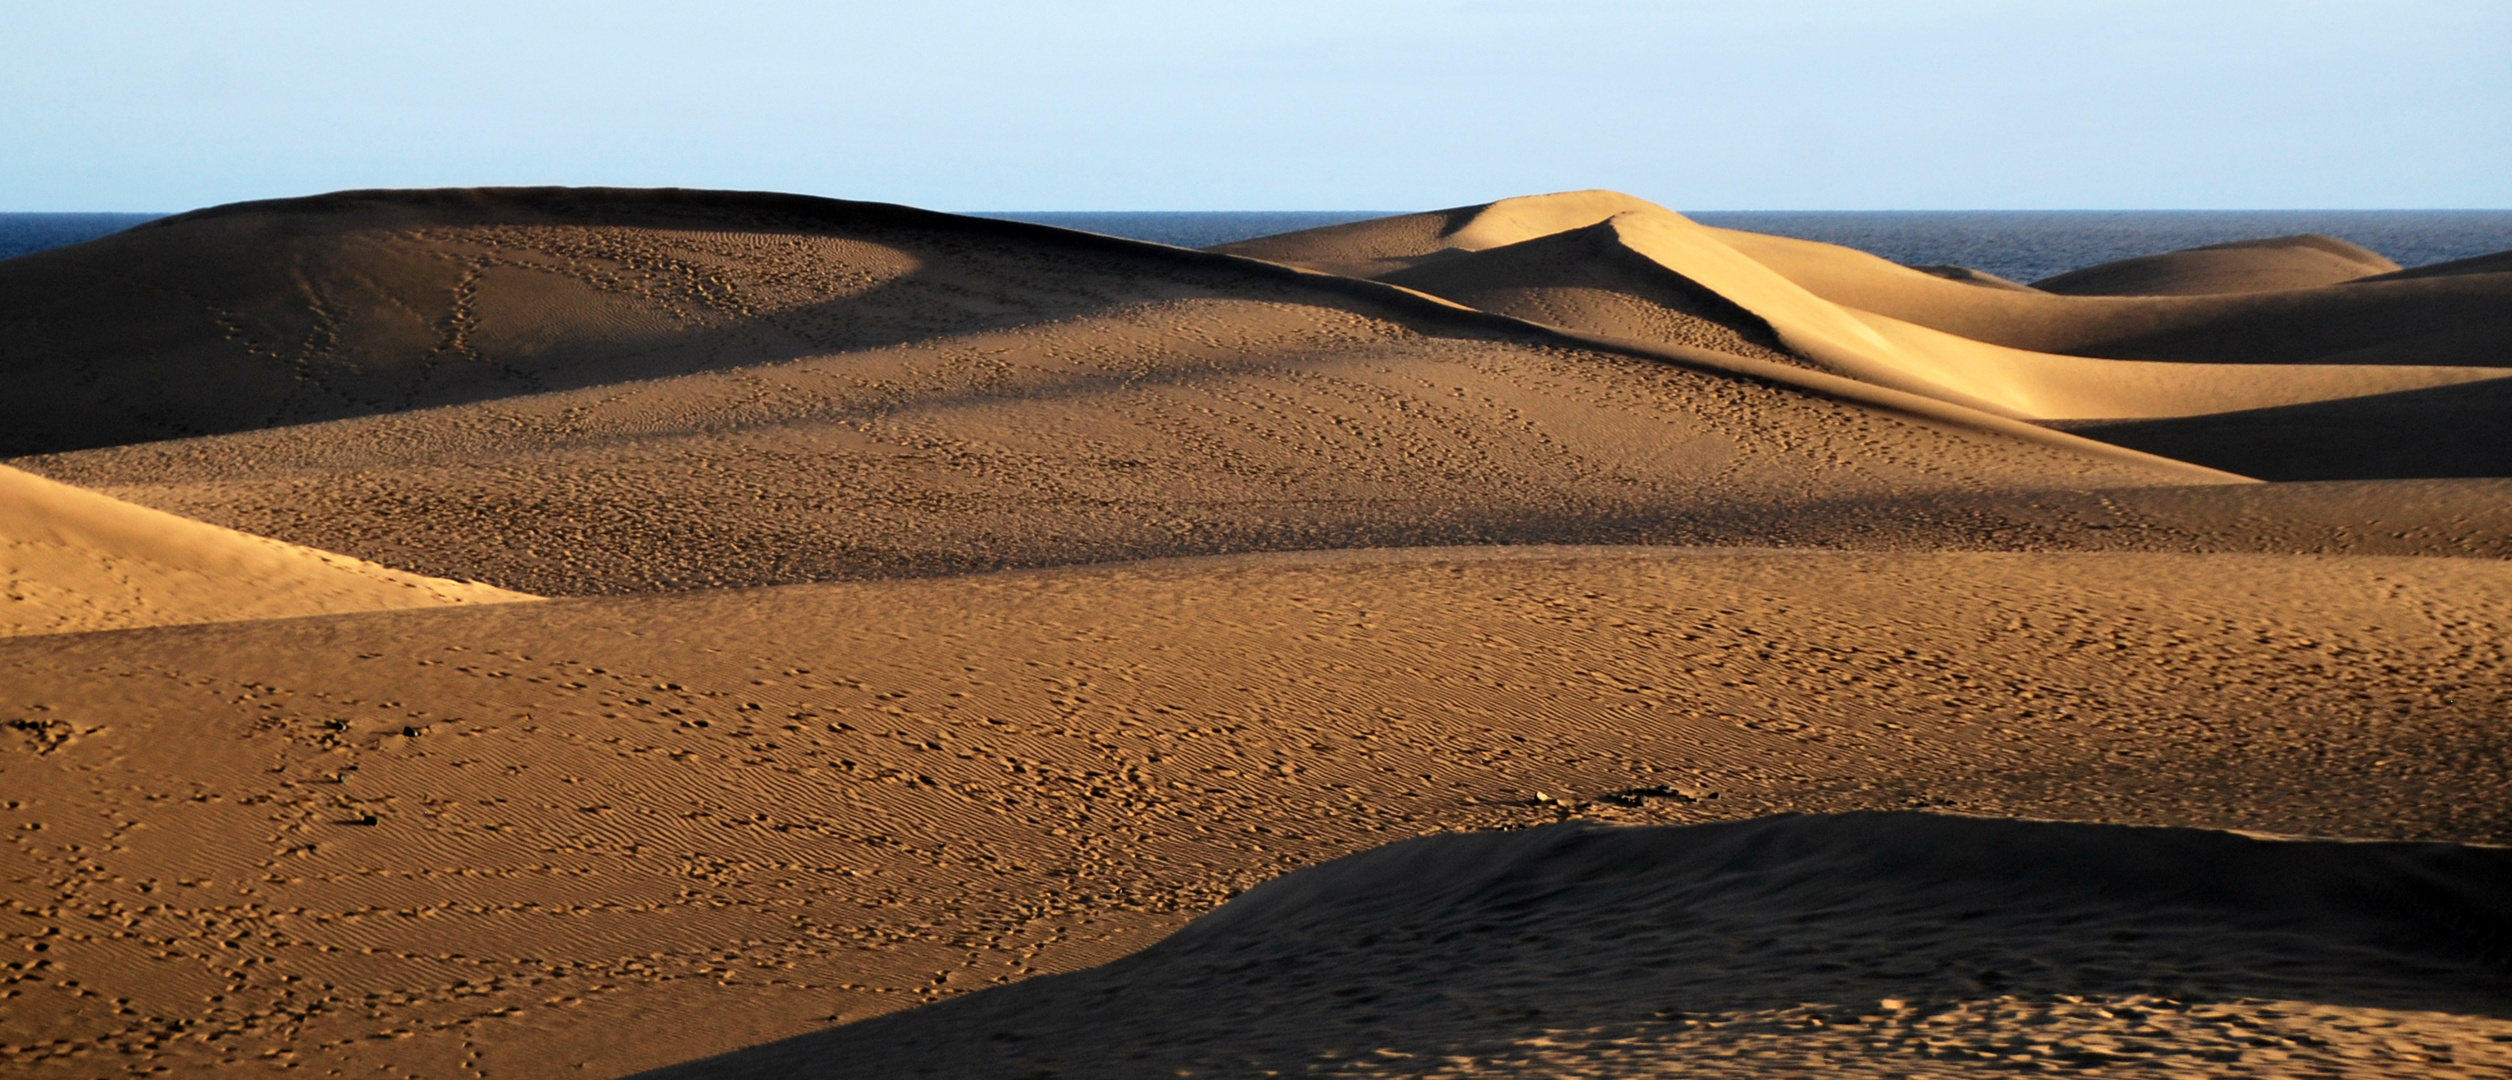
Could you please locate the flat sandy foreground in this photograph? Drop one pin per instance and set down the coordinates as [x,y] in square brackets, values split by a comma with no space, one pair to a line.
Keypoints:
[531,633]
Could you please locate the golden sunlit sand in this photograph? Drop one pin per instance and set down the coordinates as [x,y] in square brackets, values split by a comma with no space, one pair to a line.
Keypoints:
[1583,642]
[75,561]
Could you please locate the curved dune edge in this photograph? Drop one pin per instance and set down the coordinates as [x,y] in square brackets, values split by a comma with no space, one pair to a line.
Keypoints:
[2448,313]
[2050,386]
[75,561]
[2015,382]
[1381,246]
[1940,407]
[1918,406]
[2497,262]
[1439,253]
[1900,935]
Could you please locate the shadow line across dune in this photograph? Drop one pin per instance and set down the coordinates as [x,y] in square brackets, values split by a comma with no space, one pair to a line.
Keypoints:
[1473,947]
[2443,431]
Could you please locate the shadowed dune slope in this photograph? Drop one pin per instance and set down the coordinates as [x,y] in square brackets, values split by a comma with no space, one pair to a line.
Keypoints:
[284,312]
[1877,943]
[1591,279]
[1228,427]
[2447,431]
[591,836]
[73,560]
[2283,262]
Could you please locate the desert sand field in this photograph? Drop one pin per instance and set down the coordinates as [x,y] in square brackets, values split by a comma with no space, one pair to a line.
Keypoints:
[606,633]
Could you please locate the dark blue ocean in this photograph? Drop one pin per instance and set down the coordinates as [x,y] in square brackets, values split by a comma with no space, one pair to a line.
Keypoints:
[2022,245]
[22,234]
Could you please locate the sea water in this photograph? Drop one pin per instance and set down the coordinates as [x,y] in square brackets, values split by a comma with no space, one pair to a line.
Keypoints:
[2021,245]
[25,234]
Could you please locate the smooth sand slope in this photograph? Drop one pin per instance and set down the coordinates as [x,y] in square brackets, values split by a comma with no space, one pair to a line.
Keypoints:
[73,560]
[785,829]
[627,832]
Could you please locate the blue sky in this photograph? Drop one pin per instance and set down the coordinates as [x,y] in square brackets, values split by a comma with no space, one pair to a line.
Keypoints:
[1288,104]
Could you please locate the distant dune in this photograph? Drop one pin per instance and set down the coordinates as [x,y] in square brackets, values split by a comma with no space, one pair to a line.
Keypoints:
[2496,263]
[1663,259]
[2284,262]
[1544,637]
[2452,319]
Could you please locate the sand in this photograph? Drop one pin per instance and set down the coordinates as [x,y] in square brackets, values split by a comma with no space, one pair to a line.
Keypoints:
[75,561]
[1869,944]
[2443,319]
[1541,637]
[516,832]
[1662,253]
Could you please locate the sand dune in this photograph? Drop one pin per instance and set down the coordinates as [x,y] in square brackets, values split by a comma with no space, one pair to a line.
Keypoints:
[263,314]
[74,560]
[2497,263]
[1970,276]
[1383,245]
[1659,262]
[1595,279]
[632,831]
[1850,945]
[2446,320]
[2452,431]
[2283,262]
[2431,316]
[801,780]
[1154,403]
